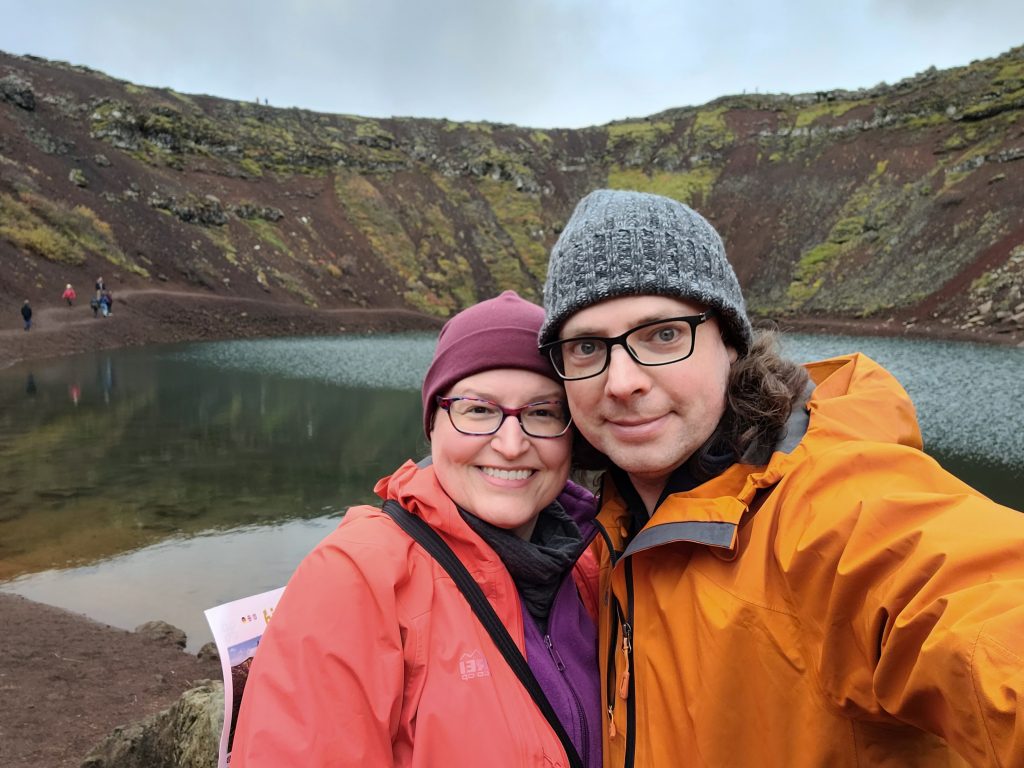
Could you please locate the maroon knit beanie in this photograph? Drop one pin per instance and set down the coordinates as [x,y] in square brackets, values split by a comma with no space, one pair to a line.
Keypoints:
[497,333]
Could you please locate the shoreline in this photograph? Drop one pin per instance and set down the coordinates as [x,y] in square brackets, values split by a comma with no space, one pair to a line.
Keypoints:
[891,328]
[166,316]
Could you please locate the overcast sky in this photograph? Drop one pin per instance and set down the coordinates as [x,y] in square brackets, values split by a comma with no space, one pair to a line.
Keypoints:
[541,63]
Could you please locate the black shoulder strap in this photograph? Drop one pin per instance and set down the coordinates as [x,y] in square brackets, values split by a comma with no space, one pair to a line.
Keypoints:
[429,539]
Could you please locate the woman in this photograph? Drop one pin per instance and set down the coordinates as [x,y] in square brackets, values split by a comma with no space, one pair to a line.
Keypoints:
[374,657]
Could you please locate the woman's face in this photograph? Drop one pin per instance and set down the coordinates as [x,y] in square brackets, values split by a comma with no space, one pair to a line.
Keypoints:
[506,478]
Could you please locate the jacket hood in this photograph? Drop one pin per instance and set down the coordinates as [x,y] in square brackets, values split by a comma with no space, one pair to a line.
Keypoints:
[851,398]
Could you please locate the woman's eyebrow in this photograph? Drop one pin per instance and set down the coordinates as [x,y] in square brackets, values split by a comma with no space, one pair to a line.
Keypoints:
[557,393]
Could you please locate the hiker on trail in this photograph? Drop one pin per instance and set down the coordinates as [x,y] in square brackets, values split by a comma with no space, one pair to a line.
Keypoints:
[374,656]
[26,315]
[69,295]
[106,304]
[788,579]
[100,288]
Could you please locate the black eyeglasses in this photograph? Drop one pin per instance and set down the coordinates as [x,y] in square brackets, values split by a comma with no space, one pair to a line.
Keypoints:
[474,416]
[659,342]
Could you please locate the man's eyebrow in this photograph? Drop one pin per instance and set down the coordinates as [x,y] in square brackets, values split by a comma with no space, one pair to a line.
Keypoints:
[592,331]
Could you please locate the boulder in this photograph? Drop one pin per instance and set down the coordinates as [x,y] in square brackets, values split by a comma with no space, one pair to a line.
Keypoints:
[187,735]
[162,632]
[18,92]
[209,651]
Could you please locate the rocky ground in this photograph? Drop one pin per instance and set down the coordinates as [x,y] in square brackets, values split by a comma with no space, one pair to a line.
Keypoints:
[66,682]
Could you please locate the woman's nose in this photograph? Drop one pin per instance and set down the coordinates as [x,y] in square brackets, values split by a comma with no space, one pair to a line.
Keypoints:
[510,440]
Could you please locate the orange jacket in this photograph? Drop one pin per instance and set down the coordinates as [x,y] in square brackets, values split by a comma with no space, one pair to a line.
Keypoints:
[849,604]
[374,658]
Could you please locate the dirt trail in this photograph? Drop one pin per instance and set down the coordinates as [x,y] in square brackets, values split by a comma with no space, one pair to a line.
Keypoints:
[156,316]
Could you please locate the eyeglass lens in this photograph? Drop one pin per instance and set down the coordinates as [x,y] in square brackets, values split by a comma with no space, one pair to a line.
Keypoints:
[658,343]
[483,417]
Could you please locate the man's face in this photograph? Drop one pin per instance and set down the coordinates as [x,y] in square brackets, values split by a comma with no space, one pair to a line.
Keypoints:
[649,419]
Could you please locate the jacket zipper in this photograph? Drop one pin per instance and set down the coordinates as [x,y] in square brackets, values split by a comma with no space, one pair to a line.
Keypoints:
[581,715]
[625,686]
[630,681]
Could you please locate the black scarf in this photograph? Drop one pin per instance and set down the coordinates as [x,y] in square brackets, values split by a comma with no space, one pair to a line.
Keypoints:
[537,566]
[712,461]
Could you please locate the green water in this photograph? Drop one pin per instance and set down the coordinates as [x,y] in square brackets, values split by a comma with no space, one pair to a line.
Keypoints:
[154,483]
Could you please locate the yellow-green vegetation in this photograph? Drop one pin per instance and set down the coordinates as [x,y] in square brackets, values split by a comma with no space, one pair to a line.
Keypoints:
[51,230]
[710,130]
[250,167]
[810,114]
[183,98]
[372,130]
[640,138]
[519,214]
[966,163]
[690,187]
[455,267]
[926,120]
[1006,100]
[541,138]
[642,132]
[270,234]
[508,164]
[220,237]
[293,285]
[847,229]
[1010,74]
[162,134]
[446,282]
[809,273]
[869,208]
[370,212]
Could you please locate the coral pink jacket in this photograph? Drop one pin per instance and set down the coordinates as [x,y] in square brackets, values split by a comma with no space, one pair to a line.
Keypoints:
[374,658]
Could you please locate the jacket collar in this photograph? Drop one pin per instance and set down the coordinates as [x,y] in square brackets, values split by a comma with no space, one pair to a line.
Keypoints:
[849,398]
[415,486]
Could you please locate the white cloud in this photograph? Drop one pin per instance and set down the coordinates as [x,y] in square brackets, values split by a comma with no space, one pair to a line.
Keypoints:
[533,62]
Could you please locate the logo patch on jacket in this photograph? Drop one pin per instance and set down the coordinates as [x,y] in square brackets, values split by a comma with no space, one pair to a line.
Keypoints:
[473,665]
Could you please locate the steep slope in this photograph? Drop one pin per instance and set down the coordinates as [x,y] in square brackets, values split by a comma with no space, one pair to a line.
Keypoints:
[901,201]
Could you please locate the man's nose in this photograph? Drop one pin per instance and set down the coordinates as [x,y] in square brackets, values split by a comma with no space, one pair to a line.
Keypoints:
[625,376]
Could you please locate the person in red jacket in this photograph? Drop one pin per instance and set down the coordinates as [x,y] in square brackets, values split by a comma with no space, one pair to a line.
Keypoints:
[375,658]
[69,295]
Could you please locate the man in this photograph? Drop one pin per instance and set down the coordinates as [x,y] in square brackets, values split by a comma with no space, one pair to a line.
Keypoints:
[26,315]
[790,580]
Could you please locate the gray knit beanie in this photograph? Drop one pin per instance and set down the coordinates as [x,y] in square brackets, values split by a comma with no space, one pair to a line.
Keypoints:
[619,243]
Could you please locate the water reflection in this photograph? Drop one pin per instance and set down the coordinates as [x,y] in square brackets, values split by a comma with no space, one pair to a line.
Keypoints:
[165,444]
[154,483]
